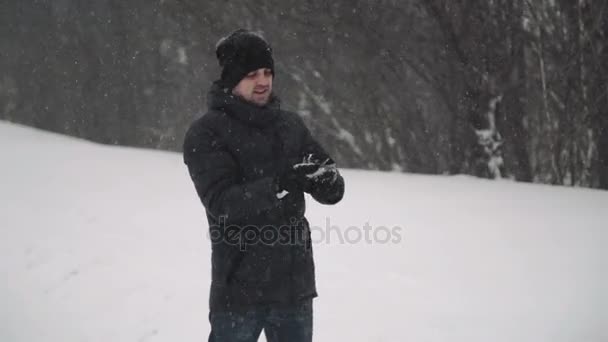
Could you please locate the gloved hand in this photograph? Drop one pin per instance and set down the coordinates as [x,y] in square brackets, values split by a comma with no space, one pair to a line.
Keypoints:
[326,174]
[293,177]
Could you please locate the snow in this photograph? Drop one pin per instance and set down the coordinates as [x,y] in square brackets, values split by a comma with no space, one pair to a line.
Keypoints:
[346,136]
[105,243]
[182,57]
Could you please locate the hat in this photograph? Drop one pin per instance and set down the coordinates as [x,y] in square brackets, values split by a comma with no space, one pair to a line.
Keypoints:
[240,53]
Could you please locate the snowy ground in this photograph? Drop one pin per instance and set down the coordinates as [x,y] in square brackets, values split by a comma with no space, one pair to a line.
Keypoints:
[105,243]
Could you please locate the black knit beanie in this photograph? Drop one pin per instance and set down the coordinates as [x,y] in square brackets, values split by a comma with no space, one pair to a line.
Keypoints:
[240,53]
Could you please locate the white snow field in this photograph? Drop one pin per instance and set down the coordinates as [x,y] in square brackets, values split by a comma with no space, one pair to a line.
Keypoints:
[104,243]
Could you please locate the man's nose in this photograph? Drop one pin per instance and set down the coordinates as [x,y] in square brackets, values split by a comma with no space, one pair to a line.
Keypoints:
[263,80]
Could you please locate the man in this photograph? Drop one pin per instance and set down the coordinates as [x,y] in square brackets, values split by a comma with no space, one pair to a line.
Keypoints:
[251,164]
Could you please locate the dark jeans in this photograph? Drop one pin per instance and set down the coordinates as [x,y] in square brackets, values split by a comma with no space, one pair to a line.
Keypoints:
[286,324]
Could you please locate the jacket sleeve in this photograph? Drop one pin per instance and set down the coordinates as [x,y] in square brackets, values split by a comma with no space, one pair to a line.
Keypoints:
[324,193]
[215,175]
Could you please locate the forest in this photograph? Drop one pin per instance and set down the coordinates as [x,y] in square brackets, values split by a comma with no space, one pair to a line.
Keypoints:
[513,89]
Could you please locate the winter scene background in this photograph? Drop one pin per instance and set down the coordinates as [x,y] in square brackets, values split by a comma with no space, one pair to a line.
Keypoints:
[475,132]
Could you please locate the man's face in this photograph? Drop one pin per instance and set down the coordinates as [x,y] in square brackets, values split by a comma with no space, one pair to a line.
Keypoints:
[255,87]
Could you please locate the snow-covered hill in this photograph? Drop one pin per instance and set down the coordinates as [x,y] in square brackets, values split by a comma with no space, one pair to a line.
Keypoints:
[103,243]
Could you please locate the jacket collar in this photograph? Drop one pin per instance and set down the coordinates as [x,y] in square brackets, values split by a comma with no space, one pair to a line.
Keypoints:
[221,98]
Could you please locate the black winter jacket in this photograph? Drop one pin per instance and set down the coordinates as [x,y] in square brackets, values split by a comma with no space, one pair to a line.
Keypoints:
[234,153]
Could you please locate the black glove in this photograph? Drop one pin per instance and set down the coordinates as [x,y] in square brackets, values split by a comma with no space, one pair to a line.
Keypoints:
[326,175]
[293,177]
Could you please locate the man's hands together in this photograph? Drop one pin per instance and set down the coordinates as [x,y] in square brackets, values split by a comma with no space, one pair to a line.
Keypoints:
[306,174]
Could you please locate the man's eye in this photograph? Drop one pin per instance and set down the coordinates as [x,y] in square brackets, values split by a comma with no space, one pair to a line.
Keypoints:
[251,75]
